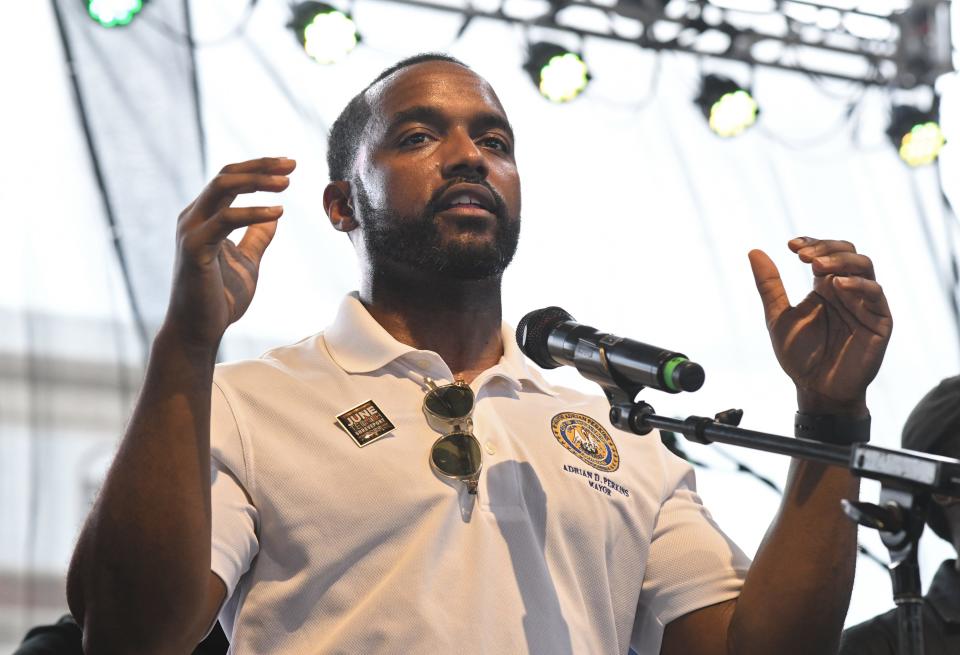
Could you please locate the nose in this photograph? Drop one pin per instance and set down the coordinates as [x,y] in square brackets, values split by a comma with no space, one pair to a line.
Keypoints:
[463,158]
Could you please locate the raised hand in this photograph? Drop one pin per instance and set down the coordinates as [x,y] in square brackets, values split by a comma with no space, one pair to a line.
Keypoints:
[832,343]
[215,279]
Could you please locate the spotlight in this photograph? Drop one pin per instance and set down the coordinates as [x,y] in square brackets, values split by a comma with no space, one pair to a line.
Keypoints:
[916,134]
[326,33]
[729,108]
[560,75]
[114,13]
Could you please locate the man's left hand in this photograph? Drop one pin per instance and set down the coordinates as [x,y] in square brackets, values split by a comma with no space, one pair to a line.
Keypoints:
[832,343]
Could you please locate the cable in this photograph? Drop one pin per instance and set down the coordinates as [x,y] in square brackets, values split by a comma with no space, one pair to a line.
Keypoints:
[308,114]
[649,97]
[654,83]
[186,38]
[671,441]
[108,210]
[820,139]
[195,82]
[932,249]
[950,220]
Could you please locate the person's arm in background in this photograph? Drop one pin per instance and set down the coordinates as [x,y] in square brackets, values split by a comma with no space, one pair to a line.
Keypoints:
[795,597]
[140,578]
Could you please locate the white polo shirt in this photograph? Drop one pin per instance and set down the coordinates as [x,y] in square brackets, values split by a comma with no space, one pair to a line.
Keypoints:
[582,539]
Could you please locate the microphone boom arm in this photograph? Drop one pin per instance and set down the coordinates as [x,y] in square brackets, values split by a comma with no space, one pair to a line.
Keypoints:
[901,468]
[908,479]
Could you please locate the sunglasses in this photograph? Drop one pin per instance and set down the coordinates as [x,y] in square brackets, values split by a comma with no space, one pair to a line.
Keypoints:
[456,455]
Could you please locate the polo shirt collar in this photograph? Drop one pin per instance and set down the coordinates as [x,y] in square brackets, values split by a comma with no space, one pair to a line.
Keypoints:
[944,593]
[358,344]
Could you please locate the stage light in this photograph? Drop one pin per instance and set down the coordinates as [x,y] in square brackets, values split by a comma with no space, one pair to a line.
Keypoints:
[729,108]
[560,75]
[114,13]
[326,33]
[916,134]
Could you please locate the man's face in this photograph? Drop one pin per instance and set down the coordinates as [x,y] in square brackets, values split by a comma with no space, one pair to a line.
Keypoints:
[436,182]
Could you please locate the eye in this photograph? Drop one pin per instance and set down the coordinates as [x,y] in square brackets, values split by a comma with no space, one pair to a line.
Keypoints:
[414,139]
[495,142]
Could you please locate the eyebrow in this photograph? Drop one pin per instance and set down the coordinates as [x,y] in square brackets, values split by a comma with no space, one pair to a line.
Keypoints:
[431,115]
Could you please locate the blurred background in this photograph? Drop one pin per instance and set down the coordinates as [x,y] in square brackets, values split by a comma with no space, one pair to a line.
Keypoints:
[637,215]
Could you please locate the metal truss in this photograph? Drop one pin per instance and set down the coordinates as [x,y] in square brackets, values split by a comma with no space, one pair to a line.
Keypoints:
[873,42]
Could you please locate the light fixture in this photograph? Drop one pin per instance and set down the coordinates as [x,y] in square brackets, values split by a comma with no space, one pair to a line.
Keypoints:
[114,13]
[561,75]
[916,134]
[326,33]
[728,107]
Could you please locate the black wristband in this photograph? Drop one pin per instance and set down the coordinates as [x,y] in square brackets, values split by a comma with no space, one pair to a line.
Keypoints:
[832,428]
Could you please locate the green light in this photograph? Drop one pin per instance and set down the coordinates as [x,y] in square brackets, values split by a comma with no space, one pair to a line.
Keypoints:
[563,77]
[330,37]
[559,74]
[113,13]
[733,113]
[728,107]
[326,34]
[922,144]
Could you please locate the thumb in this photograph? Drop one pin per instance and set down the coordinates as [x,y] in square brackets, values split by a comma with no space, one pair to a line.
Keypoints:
[256,239]
[769,285]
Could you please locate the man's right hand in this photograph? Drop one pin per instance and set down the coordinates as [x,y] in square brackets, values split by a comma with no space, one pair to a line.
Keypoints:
[214,278]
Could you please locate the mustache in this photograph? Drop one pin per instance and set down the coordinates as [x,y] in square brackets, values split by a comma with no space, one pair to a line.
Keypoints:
[501,206]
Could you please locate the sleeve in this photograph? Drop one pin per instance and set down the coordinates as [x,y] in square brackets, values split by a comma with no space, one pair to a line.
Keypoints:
[235,521]
[691,564]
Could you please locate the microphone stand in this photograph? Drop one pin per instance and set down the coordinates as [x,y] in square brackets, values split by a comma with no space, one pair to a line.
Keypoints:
[908,479]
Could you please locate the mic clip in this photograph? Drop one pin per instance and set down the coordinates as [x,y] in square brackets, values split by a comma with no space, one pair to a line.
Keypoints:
[591,360]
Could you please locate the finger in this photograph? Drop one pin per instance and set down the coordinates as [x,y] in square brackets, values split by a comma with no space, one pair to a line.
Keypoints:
[769,285]
[227,220]
[816,247]
[844,263]
[256,239]
[263,165]
[797,243]
[224,188]
[868,294]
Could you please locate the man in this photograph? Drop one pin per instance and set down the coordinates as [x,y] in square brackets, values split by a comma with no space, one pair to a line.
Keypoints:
[932,427]
[321,546]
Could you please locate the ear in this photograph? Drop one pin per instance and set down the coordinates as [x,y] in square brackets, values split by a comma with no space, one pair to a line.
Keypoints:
[339,206]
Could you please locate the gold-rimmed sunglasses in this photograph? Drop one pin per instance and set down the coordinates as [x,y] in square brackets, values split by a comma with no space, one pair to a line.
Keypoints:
[456,455]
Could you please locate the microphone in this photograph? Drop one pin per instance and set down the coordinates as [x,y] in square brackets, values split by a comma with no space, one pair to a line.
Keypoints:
[551,338]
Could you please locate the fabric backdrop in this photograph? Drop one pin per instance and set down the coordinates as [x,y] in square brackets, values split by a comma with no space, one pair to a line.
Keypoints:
[636,219]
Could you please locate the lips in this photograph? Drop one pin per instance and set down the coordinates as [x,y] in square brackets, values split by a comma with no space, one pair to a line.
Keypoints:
[467,199]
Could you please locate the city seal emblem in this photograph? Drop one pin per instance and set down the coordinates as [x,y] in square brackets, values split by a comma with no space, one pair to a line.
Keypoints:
[587,439]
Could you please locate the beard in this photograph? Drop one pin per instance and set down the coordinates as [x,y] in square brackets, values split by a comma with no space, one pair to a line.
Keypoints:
[416,242]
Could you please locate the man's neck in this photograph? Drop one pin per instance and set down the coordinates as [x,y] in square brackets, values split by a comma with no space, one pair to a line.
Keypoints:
[457,319]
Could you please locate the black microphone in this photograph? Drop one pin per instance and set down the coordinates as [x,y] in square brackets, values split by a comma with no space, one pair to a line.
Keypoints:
[551,338]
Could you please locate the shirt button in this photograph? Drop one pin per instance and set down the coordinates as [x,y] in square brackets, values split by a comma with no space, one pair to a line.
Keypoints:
[491,449]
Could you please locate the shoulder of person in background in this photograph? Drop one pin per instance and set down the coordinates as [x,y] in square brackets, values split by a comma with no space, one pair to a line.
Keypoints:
[65,638]
[61,638]
[876,636]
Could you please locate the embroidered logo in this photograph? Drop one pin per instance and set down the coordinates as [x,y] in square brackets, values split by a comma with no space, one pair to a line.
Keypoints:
[587,439]
[365,423]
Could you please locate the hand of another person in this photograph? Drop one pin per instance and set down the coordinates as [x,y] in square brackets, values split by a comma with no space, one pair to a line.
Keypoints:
[214,278]
[832,343]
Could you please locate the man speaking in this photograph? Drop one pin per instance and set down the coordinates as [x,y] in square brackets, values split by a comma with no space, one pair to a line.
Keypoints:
[405,481]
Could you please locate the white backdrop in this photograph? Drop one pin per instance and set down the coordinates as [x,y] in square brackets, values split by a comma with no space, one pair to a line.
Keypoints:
[636,219]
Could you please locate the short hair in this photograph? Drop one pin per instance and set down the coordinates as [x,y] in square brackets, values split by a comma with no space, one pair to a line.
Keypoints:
[344,139]
[934,427]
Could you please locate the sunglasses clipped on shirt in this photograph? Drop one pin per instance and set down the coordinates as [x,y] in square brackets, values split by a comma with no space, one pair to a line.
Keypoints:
[456,455]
